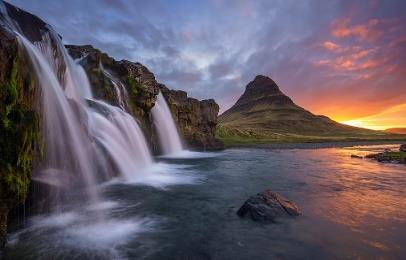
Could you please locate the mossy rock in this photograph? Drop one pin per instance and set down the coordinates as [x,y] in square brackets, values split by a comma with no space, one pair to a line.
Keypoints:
[19,132]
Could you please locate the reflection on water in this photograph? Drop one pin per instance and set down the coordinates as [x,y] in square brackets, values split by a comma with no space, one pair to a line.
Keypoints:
[352,208]
[369,196]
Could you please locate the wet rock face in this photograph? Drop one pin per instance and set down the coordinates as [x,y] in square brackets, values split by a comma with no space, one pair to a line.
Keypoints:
[19,120]
[196,120]
[140,84]
[267,207]
[32,27]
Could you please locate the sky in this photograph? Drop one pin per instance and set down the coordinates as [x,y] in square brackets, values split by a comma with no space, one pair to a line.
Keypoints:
[343,59]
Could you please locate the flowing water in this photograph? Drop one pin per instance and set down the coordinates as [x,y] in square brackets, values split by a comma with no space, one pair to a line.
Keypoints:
[119,87]
[352,208]
[168,134]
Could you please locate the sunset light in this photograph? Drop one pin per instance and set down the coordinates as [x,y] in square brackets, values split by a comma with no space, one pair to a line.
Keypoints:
[394,117]
[205,129]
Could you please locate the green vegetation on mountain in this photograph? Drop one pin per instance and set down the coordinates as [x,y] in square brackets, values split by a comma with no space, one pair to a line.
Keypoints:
[263,114]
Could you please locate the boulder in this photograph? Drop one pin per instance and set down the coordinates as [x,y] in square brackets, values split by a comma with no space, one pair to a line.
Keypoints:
[402,148]
[267,206]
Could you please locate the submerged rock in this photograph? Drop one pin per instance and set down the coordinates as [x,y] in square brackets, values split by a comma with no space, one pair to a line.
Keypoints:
[267,206]
[356,156]
[389,157]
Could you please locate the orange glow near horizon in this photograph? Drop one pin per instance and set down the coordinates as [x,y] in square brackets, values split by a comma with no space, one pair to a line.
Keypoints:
[394,117]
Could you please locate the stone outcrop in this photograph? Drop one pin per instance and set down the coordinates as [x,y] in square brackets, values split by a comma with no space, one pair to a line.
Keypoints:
[267,206]
[389,156]
[196,120]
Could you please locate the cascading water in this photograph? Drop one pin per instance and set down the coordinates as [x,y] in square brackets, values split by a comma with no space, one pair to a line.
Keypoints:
[121,92]
[168,134]
[69,150]
[81,134]
[121,137]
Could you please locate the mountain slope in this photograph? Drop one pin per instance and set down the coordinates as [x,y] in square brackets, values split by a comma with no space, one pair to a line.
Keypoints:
[265,112]
[396,130]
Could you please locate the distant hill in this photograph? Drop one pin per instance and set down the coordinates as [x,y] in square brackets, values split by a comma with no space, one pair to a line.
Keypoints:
[264,112]
[396,131]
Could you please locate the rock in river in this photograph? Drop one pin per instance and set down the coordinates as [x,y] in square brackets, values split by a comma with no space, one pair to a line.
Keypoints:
[267,206]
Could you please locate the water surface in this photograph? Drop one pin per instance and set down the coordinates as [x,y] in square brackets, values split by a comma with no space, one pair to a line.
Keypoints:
[352,208]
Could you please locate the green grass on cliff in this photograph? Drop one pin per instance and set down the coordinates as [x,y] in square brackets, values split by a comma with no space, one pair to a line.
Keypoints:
[19,133]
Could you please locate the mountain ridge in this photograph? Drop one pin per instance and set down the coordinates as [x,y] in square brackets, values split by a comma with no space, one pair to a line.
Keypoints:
[264,112]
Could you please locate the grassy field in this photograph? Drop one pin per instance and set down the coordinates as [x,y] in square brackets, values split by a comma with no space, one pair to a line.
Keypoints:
[237,137]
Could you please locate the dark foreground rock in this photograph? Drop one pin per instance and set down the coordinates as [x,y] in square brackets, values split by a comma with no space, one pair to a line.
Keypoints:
[267,206]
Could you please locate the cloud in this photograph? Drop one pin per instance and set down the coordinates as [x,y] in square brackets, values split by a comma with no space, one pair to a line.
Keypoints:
[330,45]
[343,29]
[345,59]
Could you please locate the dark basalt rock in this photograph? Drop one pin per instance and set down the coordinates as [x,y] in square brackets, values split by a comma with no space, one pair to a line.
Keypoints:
[267,206]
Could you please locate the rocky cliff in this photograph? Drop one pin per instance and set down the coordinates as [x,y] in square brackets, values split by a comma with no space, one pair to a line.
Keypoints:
[196,120]
[19,113]
[133,87]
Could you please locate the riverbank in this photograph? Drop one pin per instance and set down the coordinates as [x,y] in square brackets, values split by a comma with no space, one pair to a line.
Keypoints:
[316,144]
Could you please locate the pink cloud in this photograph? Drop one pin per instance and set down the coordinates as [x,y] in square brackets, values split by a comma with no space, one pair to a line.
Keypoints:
[341,28]
[330,45]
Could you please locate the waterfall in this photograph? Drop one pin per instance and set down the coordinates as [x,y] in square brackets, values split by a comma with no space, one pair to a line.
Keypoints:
[119,88]
[121,137]
[69,150]
[168,134]
[81,133]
